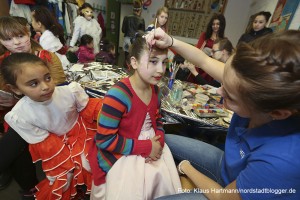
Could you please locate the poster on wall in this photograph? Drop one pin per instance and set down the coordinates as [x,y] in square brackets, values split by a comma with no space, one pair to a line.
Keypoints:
[189,18]
[283,14]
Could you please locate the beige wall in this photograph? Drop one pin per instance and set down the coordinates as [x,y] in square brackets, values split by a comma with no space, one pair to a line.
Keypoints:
[4,8]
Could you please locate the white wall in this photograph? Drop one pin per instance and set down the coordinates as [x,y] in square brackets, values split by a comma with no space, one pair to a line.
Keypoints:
[262,5]
[237,16]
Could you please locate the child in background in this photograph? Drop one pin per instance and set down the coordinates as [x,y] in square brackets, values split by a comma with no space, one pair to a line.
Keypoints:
[52,38]
[129,159]
[107,53]
[85,52]
[57,126]
[161,20]
[86,24]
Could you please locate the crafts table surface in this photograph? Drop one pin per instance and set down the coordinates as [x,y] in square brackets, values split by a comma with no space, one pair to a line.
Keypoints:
[200,105]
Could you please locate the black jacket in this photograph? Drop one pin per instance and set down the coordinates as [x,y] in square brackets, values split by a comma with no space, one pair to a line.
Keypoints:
[252,35]
[132,24]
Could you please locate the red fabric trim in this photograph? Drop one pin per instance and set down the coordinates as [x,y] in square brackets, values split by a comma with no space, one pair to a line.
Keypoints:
[29,2]
[45,55]
[65,156]
[63,50]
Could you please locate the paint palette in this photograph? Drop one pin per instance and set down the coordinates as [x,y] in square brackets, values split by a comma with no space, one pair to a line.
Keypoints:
[202,100]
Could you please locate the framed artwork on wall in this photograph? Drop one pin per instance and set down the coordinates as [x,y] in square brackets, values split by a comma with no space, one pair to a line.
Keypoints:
[189,18]
[283,14]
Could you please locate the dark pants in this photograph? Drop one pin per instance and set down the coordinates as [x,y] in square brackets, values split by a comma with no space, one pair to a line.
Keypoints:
[14,155]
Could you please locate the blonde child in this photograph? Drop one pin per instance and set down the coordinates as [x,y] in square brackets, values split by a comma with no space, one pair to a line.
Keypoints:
[160,20]
[261,84]
[55,121]
[52,38]
[129,158]
[85,53]
[86,24]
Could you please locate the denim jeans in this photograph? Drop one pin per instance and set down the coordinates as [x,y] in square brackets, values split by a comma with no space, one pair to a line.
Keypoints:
[204,157]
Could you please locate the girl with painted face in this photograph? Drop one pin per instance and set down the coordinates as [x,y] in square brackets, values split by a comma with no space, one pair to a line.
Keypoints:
[56,128]
[129,158]
[258,27]
[86,24]
[161,20]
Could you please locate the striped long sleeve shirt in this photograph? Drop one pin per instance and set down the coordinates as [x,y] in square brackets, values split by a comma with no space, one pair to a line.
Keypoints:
[119,125]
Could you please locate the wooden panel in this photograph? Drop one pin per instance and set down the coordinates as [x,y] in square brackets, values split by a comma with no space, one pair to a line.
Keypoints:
[4,9]
[189,18]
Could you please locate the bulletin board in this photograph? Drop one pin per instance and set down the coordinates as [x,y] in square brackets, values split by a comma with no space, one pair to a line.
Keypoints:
[189,18]
[283,14]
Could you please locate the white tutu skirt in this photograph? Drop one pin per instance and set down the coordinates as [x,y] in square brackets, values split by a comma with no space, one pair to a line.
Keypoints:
[132,178]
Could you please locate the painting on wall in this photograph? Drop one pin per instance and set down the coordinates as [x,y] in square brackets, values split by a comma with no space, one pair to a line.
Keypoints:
[189,18]
[283,14]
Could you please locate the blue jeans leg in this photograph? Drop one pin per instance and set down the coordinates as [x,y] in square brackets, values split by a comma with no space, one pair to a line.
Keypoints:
[204,157]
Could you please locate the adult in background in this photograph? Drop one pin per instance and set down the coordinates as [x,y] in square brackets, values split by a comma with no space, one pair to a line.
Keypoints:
[215,30]
[258,27]
[132,24]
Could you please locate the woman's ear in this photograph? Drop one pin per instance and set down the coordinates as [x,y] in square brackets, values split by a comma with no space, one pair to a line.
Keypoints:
[14,89]
[281,114]
[133,62]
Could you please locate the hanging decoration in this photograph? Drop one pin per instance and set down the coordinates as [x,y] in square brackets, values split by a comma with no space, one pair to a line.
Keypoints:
[146,4]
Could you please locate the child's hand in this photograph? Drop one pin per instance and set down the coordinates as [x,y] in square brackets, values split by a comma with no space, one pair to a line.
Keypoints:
[156,150]
[73,49]
[7,101]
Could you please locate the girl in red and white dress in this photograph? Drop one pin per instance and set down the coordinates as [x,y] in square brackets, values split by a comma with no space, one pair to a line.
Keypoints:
[57,122]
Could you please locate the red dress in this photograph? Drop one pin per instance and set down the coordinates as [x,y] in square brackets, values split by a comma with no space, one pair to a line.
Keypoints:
[61,156]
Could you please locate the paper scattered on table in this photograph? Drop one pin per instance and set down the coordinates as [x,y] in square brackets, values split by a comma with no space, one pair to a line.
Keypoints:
[99,75]
[76,68]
